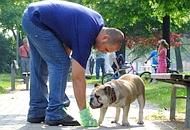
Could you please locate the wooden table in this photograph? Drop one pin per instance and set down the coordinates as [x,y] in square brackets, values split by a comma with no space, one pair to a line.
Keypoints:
[176,79]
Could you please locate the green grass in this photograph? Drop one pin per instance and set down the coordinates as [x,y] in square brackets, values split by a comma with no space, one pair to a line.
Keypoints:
[4,82]
[93,80]
[160,93]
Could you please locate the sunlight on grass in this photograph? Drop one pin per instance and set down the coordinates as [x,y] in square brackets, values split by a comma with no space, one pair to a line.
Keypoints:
[93,80]
[160,115]
[4,82]
[160,93]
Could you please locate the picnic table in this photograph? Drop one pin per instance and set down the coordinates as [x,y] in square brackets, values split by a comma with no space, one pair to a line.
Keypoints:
[177,80]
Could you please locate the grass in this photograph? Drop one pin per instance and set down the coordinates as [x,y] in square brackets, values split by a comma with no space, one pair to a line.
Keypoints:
[160,93]
[4,82]
[93,80]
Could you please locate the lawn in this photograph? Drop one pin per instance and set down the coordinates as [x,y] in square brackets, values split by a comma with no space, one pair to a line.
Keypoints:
[4,82]
[160,93]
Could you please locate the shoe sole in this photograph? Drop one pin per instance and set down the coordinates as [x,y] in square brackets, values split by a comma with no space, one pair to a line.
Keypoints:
[56,123]
[36,120]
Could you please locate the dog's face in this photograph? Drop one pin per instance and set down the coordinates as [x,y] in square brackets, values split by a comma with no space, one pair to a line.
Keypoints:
[101,96]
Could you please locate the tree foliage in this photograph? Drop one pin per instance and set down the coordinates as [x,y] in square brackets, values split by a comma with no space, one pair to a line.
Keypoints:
[7,52]
[11,14]
[137,17]
[134,17]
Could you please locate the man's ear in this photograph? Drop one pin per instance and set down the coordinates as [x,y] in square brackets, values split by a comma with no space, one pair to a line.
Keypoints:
[96,85]
[105,37]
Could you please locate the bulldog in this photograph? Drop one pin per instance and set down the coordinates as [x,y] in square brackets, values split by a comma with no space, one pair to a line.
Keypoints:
[119,93]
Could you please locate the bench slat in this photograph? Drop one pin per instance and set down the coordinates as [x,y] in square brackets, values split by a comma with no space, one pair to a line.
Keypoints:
[167,76]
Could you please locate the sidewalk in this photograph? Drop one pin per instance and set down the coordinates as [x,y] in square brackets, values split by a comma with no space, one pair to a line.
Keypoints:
[14,106]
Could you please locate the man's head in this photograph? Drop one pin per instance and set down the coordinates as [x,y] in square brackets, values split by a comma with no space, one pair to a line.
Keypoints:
[25,42]
[109,40]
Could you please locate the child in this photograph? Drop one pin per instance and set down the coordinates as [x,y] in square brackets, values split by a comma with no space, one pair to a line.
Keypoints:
[162,56]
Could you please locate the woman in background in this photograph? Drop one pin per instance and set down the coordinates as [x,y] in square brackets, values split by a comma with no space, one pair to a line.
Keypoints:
[162,56]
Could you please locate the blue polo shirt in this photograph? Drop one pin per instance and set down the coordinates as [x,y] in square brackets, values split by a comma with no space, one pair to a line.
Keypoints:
[73,24]
[154,56]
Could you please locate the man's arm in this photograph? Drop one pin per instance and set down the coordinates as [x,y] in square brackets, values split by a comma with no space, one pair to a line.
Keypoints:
[148,59]
[79,84]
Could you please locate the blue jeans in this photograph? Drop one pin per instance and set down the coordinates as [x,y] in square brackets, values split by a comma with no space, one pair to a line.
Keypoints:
[25,64]
[48,60]
[100,63]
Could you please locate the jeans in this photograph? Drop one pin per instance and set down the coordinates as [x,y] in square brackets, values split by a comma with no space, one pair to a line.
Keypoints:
[24,64]
[48,60]
[100,63]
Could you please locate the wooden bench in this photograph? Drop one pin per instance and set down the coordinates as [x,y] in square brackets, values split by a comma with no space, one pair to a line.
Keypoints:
[14,70]
[177,80]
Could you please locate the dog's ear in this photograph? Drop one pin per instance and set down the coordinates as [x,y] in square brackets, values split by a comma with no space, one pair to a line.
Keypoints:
[107,90]
[96,85]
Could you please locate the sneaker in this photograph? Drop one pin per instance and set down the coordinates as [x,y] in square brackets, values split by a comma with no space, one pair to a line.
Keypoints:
[86,119]
[67,121]
[35,119]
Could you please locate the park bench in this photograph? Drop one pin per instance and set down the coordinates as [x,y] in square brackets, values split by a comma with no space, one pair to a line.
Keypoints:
[177,80]
[14,71]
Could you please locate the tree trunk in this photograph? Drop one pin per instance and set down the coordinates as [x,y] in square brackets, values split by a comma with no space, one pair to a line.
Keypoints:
[166,34]
[14,34]
[178,59]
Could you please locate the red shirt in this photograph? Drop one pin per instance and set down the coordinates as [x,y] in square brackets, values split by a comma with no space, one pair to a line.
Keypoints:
[24,51]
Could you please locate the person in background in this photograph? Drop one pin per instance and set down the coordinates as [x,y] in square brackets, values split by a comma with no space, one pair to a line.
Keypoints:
[162,56]
[24,53]
[111,59]
[120,60]
[100,63]
[61,34]
[154,59]
[91,63]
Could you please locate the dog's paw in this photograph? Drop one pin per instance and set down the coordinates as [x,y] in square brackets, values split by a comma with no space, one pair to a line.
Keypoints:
[125,124]
[140,122]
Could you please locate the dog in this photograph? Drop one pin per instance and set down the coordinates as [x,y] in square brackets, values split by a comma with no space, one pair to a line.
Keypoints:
[119,93]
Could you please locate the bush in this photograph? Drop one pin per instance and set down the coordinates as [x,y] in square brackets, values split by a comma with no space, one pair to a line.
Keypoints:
[7,53]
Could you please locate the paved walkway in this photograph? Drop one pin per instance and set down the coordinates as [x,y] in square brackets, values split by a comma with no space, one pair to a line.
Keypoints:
[14,106]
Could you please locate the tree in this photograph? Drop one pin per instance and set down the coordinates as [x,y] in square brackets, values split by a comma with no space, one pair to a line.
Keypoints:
[137,17]
[11,14]
[6,53]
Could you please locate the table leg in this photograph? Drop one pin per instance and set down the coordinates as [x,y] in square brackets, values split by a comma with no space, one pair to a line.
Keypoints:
[173,103]
[187,118]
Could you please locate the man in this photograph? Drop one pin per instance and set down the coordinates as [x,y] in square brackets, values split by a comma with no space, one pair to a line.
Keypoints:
[24,55]
[100,63]
[111,59]
[154,56]
[55,29]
